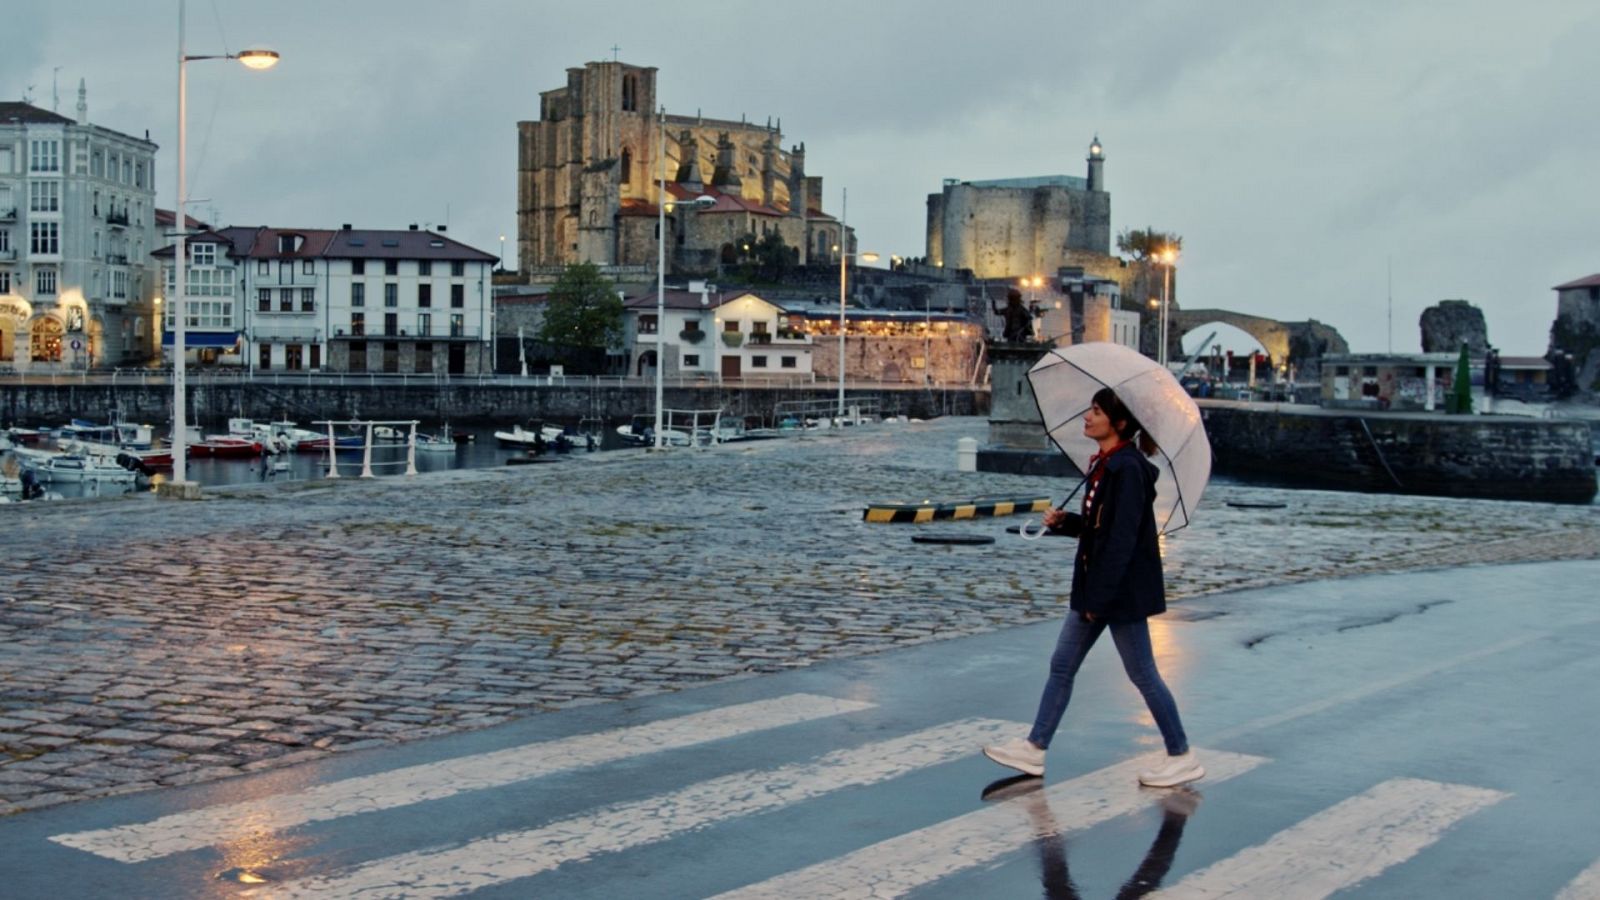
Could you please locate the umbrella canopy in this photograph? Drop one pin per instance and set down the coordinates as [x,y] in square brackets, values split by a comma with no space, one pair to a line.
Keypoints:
[1064,383]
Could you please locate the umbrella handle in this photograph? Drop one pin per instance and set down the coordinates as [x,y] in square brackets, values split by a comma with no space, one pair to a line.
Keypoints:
[1022,531]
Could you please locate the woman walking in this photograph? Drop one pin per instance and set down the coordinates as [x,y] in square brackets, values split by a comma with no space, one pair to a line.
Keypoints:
[1116,584]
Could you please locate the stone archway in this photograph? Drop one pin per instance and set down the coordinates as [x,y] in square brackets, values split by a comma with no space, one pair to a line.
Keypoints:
[646,363]
[1299,343]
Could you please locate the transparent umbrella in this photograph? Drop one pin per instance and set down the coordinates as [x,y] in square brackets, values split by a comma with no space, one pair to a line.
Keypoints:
[1064,383]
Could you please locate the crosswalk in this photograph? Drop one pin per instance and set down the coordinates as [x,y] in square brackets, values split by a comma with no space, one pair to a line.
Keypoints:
[1350,843]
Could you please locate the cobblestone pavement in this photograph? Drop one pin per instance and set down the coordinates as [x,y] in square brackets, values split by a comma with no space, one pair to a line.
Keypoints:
[152,643]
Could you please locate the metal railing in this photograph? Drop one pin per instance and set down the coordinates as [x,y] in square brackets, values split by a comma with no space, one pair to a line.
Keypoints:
[369,428]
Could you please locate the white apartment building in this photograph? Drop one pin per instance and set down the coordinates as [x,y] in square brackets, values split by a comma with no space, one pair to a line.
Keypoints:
[350,300]
[740,337]
[77,224]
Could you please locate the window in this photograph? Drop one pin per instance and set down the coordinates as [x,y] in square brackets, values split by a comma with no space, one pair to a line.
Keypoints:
[627,166]
[358,326]
[458,325]
[46,238]
[458,268]
[266,358]
[424,295]
[358,294]
[758,362]
[138,175]
[424,324]
[263,300]
[391,267]
[5,282]
[5,239]
[286,300]
[391,294]
[458,296]
[788,362]
[391,323]
[203,254]
[647,323]
[97,166]
[45,156]
[263,267]
[358,267]
[731,325]
[691,360]
[309,267]
[119,283]
[630,93]
[308,300]
[424,267]
[44,281]
[44,196]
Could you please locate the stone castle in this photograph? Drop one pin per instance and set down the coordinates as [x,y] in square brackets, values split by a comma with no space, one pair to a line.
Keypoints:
[588,175]
[1018,227]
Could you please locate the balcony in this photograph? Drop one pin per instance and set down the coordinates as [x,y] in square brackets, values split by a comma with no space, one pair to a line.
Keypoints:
[116,259]
[8,215]
[116,218]
[8,256]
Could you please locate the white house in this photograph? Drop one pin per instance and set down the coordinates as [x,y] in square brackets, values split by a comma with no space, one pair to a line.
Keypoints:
[351,300]
[77,222]
[740,336]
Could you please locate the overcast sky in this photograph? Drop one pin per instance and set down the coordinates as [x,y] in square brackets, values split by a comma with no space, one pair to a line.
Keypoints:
[1298,147]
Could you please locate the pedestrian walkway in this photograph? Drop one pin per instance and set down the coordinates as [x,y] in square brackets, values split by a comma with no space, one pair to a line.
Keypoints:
[1383,736]
[151,645]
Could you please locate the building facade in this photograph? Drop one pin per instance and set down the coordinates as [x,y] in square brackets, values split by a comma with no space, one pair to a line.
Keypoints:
[346,300]
[1021,227]
[77,224]
[707,336]
[589,172]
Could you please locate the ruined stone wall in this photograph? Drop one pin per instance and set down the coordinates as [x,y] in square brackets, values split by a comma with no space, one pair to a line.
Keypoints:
[894,360]
[1576,330]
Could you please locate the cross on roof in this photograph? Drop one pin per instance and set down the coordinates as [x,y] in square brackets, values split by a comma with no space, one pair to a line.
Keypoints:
[614,51]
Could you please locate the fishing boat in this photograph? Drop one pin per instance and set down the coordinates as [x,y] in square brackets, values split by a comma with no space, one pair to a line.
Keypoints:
[67,467]
[226,446]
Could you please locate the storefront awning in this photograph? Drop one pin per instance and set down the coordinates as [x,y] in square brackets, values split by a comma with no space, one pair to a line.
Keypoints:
[203,338]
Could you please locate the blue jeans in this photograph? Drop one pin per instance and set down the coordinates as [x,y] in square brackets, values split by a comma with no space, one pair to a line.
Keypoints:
[1138,660]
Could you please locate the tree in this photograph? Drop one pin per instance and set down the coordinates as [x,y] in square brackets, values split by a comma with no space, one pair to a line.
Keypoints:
[583,311]
[1143,244]
[766,260]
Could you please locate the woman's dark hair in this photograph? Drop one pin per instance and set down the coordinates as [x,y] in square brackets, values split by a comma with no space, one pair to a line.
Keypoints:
[1123,420]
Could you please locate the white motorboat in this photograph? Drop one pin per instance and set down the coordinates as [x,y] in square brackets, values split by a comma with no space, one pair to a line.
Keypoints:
[520,438]
[56,467]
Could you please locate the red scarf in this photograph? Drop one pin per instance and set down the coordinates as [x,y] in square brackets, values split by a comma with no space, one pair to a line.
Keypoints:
[1097,470]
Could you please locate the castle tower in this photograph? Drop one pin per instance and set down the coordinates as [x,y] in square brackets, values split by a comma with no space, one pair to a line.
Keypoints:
[1097,162]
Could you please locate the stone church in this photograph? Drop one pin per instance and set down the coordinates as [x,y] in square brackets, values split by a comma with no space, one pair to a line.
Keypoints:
[587,181]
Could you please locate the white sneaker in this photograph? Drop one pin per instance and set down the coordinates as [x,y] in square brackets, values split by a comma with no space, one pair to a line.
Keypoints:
[1173,771]
[1019,754]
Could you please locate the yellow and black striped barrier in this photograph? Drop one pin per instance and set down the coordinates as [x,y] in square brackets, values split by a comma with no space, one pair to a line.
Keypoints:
[970,509]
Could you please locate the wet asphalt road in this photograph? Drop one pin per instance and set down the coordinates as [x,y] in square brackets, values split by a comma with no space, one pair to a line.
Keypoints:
[1417,735]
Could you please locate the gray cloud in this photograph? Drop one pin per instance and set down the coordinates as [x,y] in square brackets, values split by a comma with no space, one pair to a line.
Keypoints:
[1299,148]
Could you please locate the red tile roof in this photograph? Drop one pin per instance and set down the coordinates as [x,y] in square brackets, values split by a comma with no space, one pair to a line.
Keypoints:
[1591,281]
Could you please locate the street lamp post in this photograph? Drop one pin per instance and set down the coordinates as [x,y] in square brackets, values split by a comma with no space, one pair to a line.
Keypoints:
[178,305]
[844,261]
[661,267]
[1167,256]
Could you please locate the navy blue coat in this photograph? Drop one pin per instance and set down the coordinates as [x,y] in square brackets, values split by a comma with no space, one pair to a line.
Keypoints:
[1117,574]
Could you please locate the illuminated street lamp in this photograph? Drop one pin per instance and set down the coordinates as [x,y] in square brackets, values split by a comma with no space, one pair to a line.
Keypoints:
[700,202]
[178,305]
[844,261]
[1168,257]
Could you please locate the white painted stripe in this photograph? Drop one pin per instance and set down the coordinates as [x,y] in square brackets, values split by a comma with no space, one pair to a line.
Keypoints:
[1343,845]
[232,822]
[503,857]
[901,864]
[1585,887]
